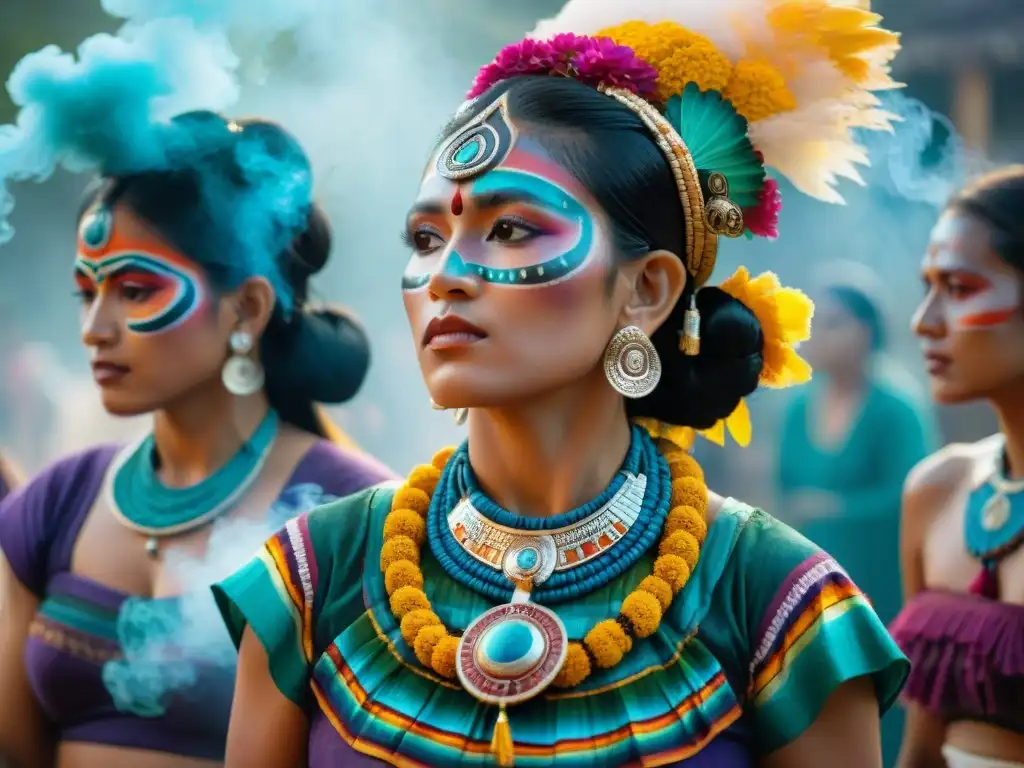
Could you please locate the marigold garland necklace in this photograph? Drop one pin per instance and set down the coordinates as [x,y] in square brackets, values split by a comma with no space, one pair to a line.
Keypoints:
[483,658]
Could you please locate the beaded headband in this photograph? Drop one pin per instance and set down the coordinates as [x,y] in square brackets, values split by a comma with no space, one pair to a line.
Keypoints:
[704,222]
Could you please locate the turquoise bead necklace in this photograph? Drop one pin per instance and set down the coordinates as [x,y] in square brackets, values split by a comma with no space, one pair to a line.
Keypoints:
[458,482]
[994,520]
[144,504]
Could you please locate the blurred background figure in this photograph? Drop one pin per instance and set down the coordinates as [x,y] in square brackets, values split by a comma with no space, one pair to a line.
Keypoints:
[847,442]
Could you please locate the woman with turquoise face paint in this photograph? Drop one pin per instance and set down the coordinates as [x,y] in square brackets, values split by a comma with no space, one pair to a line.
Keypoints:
[563,589]
[194,284]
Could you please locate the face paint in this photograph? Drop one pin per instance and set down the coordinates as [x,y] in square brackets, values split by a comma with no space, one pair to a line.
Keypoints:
[171,286]
[522,175]
[973,297]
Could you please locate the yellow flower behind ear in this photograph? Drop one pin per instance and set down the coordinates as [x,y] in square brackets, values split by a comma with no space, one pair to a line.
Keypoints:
[784,315]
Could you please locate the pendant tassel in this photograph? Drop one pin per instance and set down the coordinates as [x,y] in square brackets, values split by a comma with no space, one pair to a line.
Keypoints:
[502,746]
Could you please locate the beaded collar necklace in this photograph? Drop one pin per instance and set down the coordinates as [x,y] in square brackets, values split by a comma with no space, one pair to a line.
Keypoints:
[514,651]
[142,503]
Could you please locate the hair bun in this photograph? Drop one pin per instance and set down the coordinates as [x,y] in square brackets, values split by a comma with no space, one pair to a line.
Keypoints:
[698,391]
[328,356]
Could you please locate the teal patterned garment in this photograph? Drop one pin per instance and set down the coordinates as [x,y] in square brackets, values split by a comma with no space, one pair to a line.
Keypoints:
[766,628]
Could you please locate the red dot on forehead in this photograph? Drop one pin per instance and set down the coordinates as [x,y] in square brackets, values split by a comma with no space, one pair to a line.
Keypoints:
[457,202]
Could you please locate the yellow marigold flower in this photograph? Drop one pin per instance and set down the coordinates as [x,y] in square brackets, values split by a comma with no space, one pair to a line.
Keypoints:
[426,641]
[682,544]
[686,519]
[654,43]
[442,660]
[700,62]
[414,621]
[405,522]
[402,573]
[607,642]
[424,477]
[441,457]
[398,548]
[643,610]
[682,464]
[575,669]
[758,90]
[690,492]
[411,498]
[659,588]
[408,599]
[673,570]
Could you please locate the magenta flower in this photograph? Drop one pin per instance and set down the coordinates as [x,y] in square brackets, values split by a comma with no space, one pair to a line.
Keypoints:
[763,219]
[590,60]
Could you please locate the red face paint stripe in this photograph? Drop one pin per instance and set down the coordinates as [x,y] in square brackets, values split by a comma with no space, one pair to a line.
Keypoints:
[987,319]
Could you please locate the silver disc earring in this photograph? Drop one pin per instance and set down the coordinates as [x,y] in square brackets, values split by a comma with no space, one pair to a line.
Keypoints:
[460,415]
[631,363]
[242,376]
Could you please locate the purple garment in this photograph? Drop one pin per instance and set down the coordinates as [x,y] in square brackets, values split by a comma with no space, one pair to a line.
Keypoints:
[66,658]
[967,657]
[327,750]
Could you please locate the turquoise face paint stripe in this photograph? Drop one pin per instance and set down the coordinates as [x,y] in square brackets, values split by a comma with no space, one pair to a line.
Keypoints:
[509,181]
[186,299]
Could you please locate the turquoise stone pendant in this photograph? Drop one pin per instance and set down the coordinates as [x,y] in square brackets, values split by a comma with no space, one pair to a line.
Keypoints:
[511,653]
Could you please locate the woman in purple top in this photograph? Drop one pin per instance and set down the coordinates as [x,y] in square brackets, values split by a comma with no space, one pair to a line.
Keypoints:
[963,507]
[193,283]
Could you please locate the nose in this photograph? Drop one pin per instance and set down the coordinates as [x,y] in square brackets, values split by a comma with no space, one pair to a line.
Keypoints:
[928,320]
[454,280]
[101,323]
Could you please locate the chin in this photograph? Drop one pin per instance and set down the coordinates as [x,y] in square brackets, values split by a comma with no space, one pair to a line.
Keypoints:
[947,393]
[119,405]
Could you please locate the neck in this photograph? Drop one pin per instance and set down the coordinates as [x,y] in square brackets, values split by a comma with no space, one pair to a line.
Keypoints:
[200,434]
[1010,410]
[551,454]
[847,382]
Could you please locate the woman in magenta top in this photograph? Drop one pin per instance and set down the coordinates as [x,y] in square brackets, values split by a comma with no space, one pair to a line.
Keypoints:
[963,514]
[193,282]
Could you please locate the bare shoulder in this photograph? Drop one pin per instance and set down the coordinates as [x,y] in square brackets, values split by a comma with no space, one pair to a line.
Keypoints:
[953,466]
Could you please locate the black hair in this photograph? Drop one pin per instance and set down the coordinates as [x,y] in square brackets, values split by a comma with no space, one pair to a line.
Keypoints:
[236,198]
[997,199]
[610,151]
[864,310]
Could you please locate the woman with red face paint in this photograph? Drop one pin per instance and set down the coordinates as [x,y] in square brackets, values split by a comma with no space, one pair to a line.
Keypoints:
[963,507]
[563,589]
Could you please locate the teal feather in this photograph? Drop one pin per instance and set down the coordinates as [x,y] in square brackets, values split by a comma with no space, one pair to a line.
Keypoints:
[716,135]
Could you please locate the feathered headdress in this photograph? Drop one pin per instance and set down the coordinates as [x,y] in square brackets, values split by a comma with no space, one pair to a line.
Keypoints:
[730,88]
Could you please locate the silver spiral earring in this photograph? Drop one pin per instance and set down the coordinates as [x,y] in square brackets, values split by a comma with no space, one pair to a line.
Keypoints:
[631,363]
[242,376]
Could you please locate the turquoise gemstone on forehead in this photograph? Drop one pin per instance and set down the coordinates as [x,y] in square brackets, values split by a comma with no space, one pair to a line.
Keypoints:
[508,642]
[96,229]
[468,152]
[527,559]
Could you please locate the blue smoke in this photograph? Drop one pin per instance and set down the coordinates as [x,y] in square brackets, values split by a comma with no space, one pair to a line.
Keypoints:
[169,644]
[107,107]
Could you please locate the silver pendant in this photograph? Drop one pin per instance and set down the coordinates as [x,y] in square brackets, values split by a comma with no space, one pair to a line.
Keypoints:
[153,547]
[996,513]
